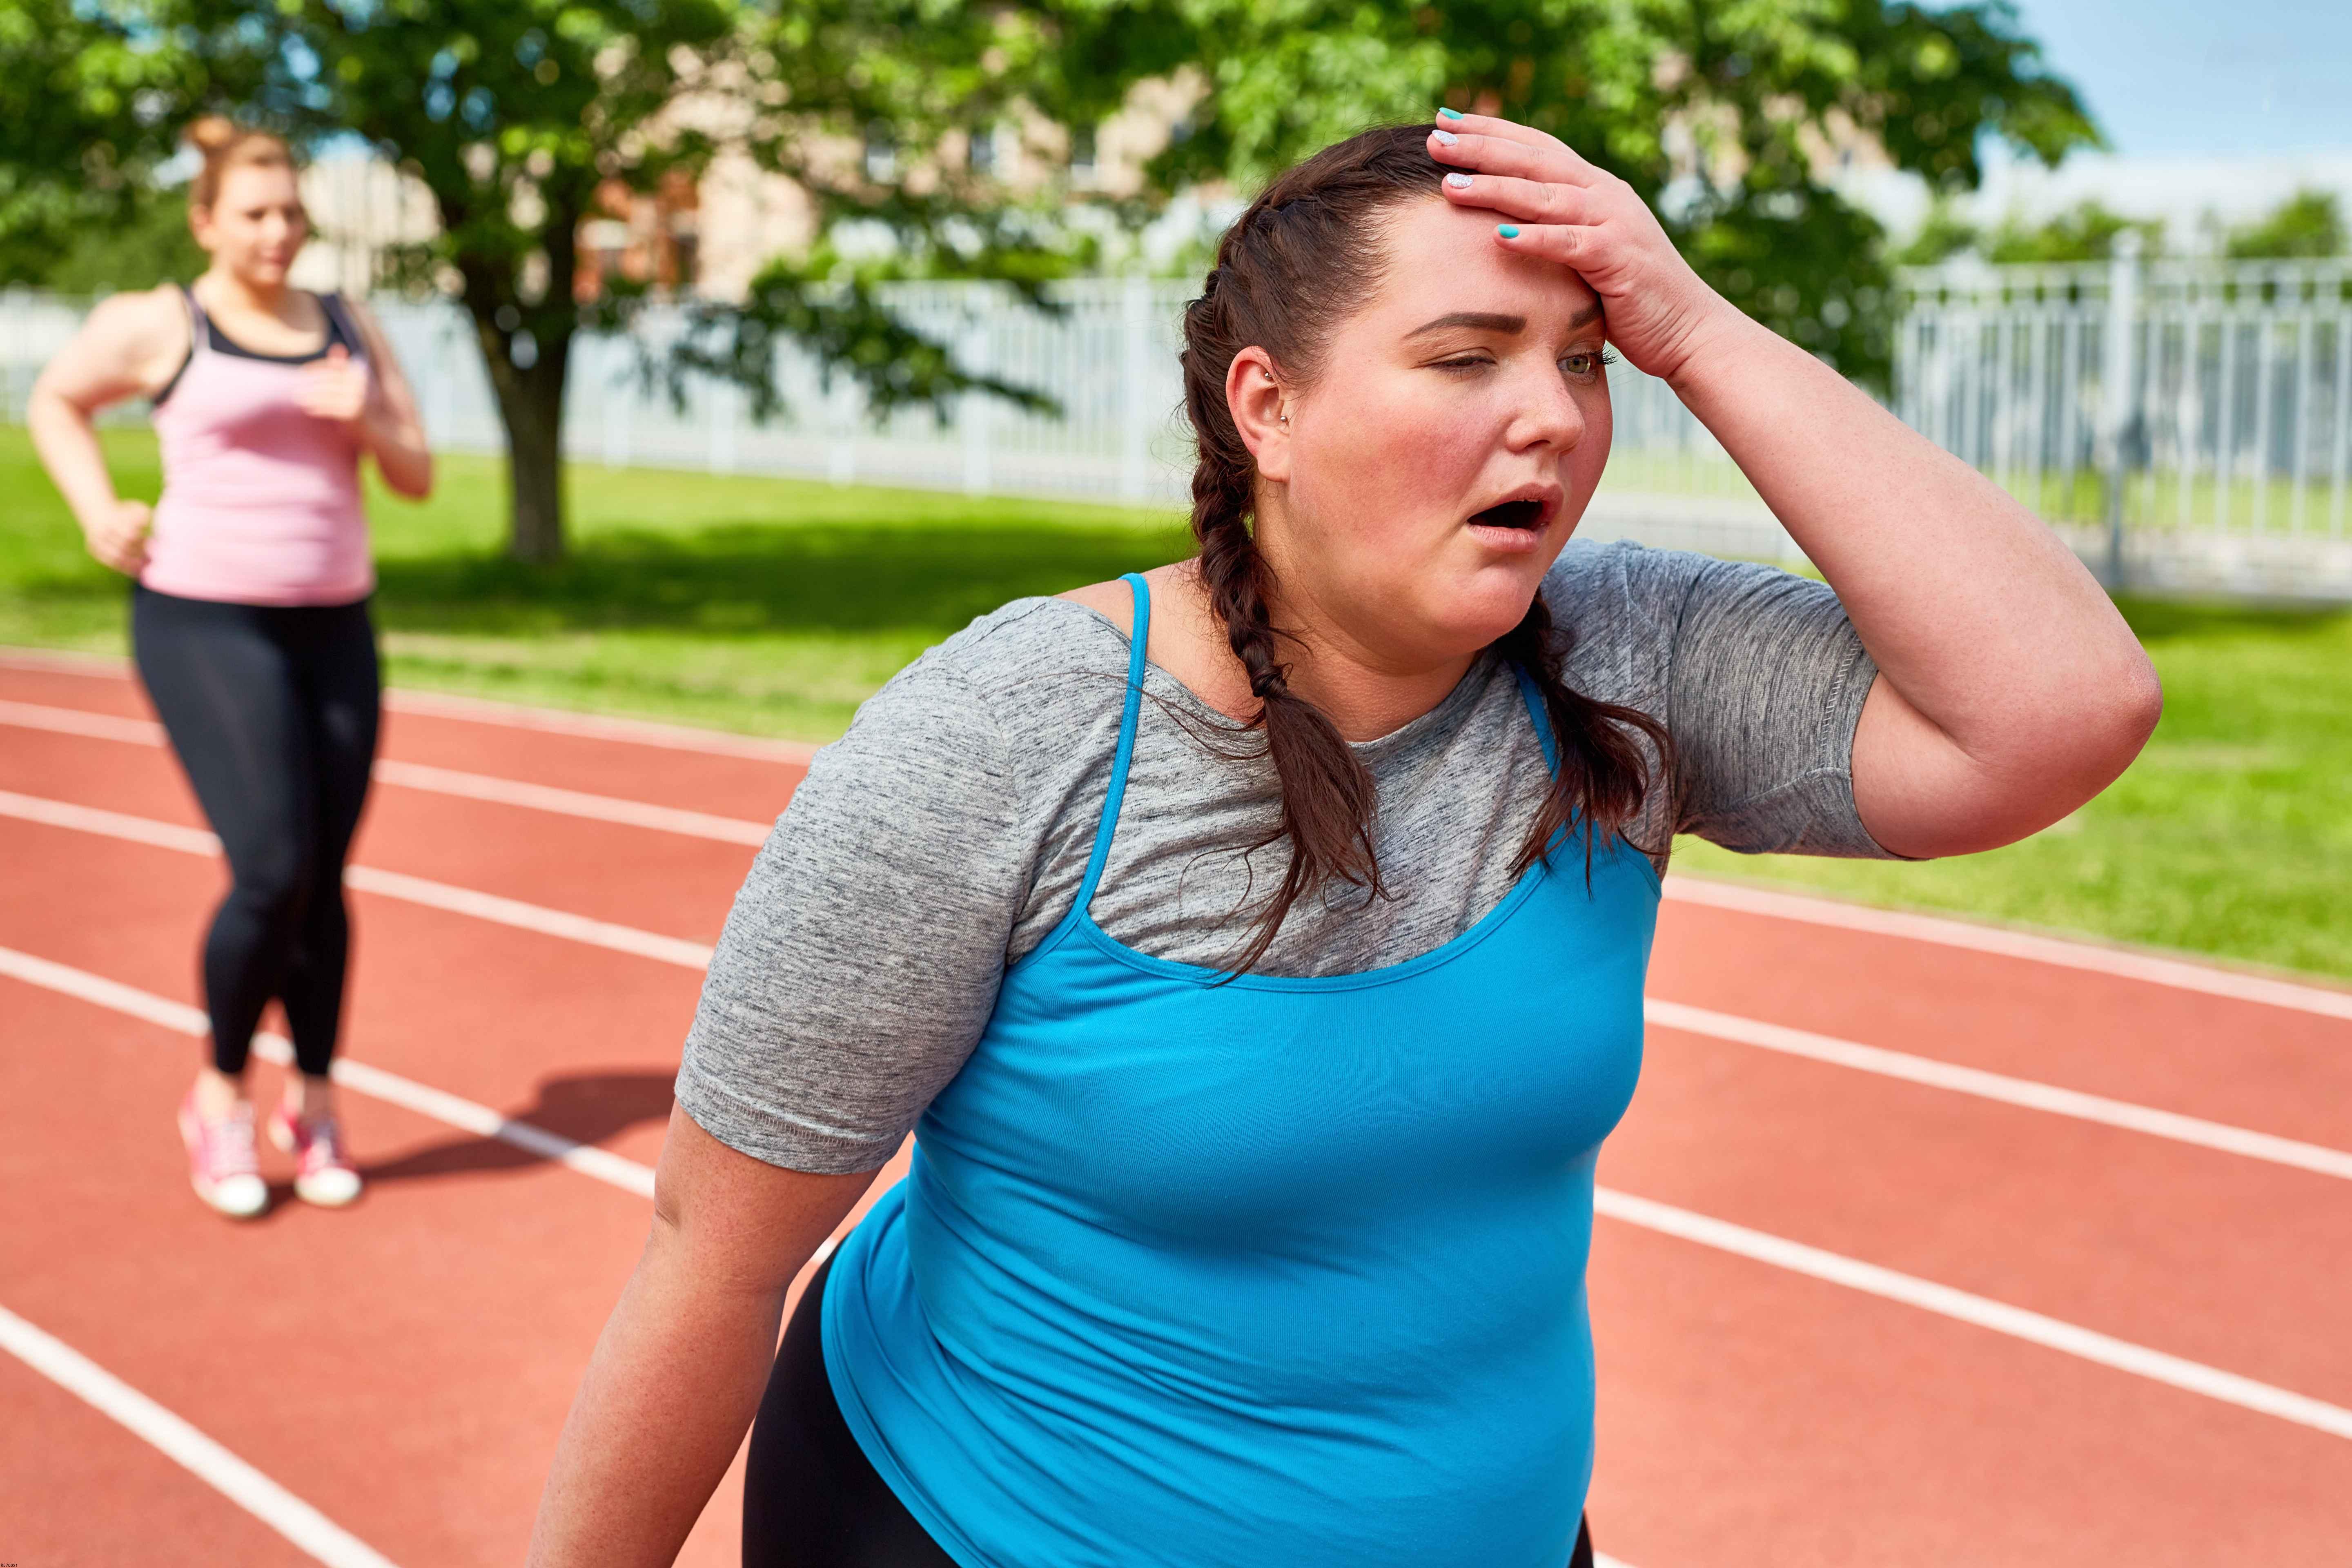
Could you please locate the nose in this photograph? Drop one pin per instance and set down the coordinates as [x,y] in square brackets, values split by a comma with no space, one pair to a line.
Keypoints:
[1547,414]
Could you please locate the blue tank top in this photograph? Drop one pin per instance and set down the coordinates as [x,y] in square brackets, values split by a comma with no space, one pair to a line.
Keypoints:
[1229,1273]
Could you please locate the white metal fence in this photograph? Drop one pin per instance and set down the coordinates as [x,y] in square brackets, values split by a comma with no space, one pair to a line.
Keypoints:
[2197,415]
[1107,355]
[2187,422]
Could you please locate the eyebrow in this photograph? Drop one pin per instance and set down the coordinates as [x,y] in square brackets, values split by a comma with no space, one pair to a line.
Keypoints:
[1473,320]
[1488,321]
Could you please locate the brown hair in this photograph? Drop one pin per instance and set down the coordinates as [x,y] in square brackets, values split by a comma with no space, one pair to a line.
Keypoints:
[227,146]
[1288,271]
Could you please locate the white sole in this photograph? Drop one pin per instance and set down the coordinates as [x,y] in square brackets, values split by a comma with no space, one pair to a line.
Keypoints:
[205,1194]
[302,1191]
[283,1140]
[222,1209]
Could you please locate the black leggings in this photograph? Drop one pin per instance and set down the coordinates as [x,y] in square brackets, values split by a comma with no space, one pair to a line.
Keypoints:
[272,709]
[810,1497]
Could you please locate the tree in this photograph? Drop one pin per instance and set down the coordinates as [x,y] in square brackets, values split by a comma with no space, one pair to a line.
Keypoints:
[143,242]
[2307,226]
[1727,115]
[91,101]
[2085,232]
[524,118]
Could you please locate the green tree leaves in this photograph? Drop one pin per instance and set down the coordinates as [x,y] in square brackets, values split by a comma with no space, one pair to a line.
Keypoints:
[91,98]
[2308,225]
[1732,117]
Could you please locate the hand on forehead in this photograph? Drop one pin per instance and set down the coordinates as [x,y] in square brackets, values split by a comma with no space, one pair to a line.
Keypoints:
[1442,260]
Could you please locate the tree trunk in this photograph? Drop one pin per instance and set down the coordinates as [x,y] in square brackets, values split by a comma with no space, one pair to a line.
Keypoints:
[530,404]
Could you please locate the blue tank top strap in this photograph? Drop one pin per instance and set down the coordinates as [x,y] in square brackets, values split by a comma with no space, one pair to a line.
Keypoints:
[1139,644]
[1533,695]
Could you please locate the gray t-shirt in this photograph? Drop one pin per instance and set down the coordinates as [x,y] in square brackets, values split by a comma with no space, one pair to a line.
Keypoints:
[947,834]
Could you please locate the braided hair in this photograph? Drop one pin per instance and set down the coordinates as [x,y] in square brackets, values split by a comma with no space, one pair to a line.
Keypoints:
[1287,273]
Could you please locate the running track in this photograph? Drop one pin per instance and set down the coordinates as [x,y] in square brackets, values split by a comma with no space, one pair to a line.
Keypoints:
[1923,1244]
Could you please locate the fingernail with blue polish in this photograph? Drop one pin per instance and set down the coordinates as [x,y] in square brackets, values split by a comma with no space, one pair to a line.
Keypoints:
[1449,114]
[1459,181]
[1508,230]
[1446,138]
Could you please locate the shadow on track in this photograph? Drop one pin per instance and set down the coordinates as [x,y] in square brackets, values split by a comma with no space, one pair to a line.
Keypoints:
[587,1108]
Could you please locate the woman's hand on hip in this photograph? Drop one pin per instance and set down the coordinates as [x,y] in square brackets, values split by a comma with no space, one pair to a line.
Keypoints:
[1559,207]
[335,388]
[118,535]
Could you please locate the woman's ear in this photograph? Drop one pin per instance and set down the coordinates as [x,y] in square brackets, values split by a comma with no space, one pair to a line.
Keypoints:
[1260,406]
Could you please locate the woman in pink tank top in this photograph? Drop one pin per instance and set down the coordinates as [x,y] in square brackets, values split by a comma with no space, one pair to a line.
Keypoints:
[250,616]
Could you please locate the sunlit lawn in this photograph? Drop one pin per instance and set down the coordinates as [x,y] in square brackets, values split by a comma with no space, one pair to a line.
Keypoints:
[774,608]
[761,605]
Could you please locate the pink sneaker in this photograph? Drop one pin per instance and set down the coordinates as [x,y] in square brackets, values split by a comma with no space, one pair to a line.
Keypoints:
[221,1165]
[322,1171]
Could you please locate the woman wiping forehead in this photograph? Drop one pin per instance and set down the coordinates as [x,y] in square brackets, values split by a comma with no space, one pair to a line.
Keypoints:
[1467,380]
[1258,942]
[1399,426]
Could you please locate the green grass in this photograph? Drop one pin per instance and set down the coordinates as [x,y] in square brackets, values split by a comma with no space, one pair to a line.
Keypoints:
[2232,834]
[766,606]
[774,607]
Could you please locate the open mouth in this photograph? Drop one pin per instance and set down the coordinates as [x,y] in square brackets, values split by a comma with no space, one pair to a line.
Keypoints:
[1526,516]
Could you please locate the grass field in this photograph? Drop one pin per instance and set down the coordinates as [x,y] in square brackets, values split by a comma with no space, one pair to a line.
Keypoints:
[761,605]
[774,608]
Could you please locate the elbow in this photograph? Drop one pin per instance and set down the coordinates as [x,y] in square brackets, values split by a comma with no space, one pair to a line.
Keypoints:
[2083,746]
[2112,728]
[45,404]
[2146,707]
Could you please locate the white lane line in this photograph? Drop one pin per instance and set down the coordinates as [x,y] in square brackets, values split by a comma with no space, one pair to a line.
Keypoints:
[1868,1277]
[2051,1333]
[2184,975]
[485,711]
[81,722]
[694,956]
[2009,1090]
[437,1105]
[57,661]
[2180,974]
[202,1457]
[573,803]
[423,777]
[109,823]
[598,727]
[686,954]
[482,906]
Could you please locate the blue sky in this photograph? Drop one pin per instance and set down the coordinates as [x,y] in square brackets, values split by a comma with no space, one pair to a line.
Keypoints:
[2166,78]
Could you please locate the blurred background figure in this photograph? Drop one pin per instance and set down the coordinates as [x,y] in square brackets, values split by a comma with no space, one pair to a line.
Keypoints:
[250,585]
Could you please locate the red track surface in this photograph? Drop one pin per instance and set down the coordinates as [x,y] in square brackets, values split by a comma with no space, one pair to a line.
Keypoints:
[402,1368]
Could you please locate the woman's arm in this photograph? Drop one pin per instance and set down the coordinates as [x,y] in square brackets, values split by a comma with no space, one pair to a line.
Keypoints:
[124,349]
[857,969]
[2010,691]
[375,400]
[680,1366]
[395,431]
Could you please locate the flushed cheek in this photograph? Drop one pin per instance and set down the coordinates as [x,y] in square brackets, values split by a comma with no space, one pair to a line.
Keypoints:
[1397,468]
